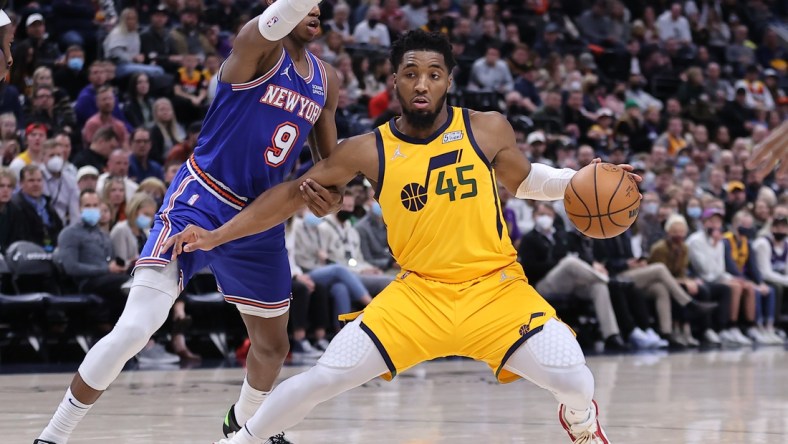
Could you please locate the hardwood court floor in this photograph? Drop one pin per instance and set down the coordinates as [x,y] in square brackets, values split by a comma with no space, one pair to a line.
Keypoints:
[711,397]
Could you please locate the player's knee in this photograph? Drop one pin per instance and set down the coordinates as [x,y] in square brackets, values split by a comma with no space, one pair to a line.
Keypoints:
[270,348]
[574,386]
[131,336]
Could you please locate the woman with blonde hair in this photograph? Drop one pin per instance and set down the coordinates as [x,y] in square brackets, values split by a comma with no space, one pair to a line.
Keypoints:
[155,188]
[166,131]
[114,195]
[122,45]
[129,236]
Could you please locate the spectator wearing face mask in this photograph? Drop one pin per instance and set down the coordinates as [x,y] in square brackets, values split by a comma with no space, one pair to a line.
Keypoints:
[708,256]
[374,241]
[544,255]
[758,297]
[771,254]
[674,253]
[61,188]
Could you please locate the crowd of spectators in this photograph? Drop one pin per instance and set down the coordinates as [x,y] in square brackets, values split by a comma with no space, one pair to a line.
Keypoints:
[105,102]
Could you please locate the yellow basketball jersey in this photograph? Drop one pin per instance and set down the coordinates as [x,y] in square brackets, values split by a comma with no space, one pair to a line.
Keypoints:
[439,198]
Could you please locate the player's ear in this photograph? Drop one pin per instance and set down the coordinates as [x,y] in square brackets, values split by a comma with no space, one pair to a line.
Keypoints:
[451,80]
[269,2]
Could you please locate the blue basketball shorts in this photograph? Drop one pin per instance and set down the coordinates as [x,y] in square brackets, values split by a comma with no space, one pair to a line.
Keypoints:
[253,272]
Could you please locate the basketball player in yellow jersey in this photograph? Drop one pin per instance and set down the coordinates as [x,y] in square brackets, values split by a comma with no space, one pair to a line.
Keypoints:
[460,291]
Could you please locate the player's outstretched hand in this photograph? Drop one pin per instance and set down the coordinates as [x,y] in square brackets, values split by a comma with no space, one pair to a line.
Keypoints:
[771,152]
[192,238]
[321,201]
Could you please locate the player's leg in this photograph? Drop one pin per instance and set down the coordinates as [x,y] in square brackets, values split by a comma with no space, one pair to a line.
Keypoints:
[350,360]
[152,293]
[553,360]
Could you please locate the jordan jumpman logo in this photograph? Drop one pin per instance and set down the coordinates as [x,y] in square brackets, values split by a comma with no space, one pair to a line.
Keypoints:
[398,153]
[286,72]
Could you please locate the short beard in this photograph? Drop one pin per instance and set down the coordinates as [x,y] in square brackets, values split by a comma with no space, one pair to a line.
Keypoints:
[421,119]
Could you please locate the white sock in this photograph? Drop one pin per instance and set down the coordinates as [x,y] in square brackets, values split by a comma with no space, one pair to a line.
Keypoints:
[244,437]
[248,402]
[68,414]
[577,416]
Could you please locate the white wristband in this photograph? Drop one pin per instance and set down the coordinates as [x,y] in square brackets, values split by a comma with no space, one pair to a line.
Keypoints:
[545,183]
[282,16]
[4,19]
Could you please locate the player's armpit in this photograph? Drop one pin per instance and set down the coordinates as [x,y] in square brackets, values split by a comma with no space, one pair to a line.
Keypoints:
[325,130]
[495,137]
[252,55]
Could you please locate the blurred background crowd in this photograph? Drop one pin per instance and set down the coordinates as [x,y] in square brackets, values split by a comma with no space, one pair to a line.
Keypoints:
[105,102]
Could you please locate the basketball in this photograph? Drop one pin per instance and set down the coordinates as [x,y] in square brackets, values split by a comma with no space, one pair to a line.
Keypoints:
[602,200]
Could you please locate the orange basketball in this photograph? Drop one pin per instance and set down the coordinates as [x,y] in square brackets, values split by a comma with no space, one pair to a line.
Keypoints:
[602,200]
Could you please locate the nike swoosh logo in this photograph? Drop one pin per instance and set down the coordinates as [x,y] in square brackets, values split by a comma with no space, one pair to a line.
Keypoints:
[71,401]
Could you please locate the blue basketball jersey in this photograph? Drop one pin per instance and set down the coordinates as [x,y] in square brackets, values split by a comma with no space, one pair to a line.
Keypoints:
[254,131]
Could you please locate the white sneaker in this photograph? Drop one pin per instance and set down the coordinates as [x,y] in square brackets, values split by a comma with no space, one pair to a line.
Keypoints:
[712,337]
[321,344]
[640,339]
[690,340]
[657,339]
[755,334]
[728,338]
[157,355]
[588,432]
[305,349]
[775,338]
[739,336]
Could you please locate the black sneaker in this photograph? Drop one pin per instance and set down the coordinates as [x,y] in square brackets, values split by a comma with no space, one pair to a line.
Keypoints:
[279,439]
[230,425]
[41,441]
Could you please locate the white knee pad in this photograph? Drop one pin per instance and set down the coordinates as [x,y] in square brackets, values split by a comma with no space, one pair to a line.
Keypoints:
[146,310]
[165,279]
[348,349]
[556,346]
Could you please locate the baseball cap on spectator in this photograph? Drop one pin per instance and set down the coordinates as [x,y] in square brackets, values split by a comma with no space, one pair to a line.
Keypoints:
[35,126]
[587,60]
[87,170]
[552,27]
[735,185]
[769,72]
[535,137]
[32,18]
[605,112]
[630,103]
[708,213]
[161,7]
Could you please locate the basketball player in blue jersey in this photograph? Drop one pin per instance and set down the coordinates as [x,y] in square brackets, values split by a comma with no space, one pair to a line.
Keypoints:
[273,97]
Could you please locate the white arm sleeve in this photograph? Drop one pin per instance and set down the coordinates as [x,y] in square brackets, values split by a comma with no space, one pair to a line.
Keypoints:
[282,16]
[545,183]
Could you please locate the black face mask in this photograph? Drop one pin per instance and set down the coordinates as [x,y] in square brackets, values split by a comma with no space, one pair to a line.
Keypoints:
[710,231]
[344,215]
[749,233]
[372,23]
[779,236]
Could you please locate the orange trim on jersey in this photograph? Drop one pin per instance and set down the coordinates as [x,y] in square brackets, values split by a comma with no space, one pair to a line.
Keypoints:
[323,76]
[262,79]
[214,186]
[257,304]
[311,74]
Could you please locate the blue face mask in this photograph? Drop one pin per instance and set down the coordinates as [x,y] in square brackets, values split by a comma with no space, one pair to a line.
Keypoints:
[143,222]
[311,220]
[694,212]
[376,210]
[76,64]
[91,216]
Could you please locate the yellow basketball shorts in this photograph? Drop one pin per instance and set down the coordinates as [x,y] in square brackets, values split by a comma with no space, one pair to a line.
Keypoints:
[487,319]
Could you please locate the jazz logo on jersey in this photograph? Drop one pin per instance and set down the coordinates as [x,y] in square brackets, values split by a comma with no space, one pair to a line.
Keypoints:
[293,102]
[452,136]
[414,195]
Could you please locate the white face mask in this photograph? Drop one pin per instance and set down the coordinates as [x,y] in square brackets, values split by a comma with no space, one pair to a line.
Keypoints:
[544,222]
[55,164]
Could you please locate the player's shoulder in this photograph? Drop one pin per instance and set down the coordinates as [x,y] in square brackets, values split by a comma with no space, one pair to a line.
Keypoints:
[487,121]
